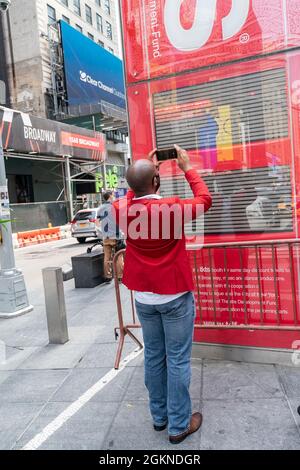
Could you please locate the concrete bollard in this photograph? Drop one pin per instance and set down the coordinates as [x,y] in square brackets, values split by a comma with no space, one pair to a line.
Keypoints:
[53,279]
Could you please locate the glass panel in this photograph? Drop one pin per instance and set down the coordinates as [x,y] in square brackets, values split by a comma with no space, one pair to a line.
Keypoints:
[108,30]
[51,15]
[99,23]
[85,215]
[38,215]
[77,7]
[237,110]
[88,14]
[107,6]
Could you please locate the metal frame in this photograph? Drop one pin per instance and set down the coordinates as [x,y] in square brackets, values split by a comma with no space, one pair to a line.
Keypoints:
[67,178]
[125,329]
[257,246]
[57,71]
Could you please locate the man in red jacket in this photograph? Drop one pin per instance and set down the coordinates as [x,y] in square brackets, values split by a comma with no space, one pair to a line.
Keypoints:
[158,270]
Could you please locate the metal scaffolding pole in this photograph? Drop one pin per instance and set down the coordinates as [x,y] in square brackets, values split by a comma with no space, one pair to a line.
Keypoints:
[69,186]
[13,294]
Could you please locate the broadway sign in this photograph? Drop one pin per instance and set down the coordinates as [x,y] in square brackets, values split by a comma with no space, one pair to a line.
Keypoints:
[22,133]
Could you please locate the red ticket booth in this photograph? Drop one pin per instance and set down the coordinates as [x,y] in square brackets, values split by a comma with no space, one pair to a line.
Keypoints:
[223,81]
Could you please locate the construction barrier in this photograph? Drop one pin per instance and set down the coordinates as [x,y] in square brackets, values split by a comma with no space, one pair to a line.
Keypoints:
[35,237]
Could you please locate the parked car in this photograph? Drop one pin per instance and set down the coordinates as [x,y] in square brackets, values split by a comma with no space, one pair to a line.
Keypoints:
[86,224]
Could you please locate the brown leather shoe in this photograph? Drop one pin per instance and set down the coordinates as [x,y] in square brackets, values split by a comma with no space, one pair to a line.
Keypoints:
[195,424]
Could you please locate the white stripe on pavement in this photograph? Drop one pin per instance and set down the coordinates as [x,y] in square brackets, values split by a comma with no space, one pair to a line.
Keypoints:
[58,422]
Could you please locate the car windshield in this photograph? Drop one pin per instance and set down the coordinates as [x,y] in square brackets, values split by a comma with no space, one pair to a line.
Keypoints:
[85,215]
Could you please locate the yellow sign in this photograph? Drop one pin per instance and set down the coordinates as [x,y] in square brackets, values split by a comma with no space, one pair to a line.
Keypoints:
[224,139]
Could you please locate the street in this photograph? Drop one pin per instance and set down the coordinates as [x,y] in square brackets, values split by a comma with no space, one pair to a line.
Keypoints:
[33,371]
[31,260]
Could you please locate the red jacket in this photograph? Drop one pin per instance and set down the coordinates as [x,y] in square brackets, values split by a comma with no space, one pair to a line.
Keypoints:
[156,264]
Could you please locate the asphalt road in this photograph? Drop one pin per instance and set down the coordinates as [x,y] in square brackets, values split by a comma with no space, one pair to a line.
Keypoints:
[31,260]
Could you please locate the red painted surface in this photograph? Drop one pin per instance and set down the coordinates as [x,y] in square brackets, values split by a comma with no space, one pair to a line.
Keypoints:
[266,39]
[265,30]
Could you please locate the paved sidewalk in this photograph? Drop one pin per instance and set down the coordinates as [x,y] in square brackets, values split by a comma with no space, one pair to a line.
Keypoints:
[244,406]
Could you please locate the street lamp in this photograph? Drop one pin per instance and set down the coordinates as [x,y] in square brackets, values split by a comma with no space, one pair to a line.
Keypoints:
[13,295]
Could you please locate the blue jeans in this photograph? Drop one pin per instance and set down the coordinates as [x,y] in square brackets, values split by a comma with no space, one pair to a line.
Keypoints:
[168,335]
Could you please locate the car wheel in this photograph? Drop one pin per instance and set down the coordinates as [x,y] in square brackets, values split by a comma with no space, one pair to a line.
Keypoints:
[81,240]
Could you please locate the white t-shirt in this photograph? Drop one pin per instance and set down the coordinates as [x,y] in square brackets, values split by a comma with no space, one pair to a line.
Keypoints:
[149,298]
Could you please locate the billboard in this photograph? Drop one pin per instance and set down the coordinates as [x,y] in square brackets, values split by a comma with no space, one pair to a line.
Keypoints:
[93,75]
[29,134]
[163,37]
[222,79]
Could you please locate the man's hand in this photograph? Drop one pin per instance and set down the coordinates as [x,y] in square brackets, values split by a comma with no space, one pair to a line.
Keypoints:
[151,156]
[183,159]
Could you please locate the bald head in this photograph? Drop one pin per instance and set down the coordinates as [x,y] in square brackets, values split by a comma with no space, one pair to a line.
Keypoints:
[143,177]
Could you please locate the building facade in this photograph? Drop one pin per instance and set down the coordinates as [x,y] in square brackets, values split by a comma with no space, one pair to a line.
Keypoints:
[26,30]
[34,70]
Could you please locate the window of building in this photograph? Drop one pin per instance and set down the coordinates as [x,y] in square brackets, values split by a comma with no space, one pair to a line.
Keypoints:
[98,2]
[65,2]
[108,30]
[101,43]
[77,7]
[111,50]
[79,28]
[51,15]
[66,19]
[99,22]
[91,36]
[107,6]
[88,14]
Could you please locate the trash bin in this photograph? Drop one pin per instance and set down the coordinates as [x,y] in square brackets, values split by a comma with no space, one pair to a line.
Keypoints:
[88,269]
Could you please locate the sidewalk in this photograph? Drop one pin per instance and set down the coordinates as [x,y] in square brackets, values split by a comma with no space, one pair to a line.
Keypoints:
[245,406]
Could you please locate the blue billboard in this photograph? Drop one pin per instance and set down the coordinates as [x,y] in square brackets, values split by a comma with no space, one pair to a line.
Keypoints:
[93,75]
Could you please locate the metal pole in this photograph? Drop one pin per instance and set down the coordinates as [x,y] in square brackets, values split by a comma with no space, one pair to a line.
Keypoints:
[55,305]
[53,61]
[7,257]
[13,295]
[104,175]
[69,186]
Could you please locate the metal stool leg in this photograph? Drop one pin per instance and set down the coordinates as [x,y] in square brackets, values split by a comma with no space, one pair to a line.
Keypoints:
[124,329]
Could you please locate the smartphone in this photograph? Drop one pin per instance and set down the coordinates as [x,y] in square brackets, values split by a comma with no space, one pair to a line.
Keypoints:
[166,154]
